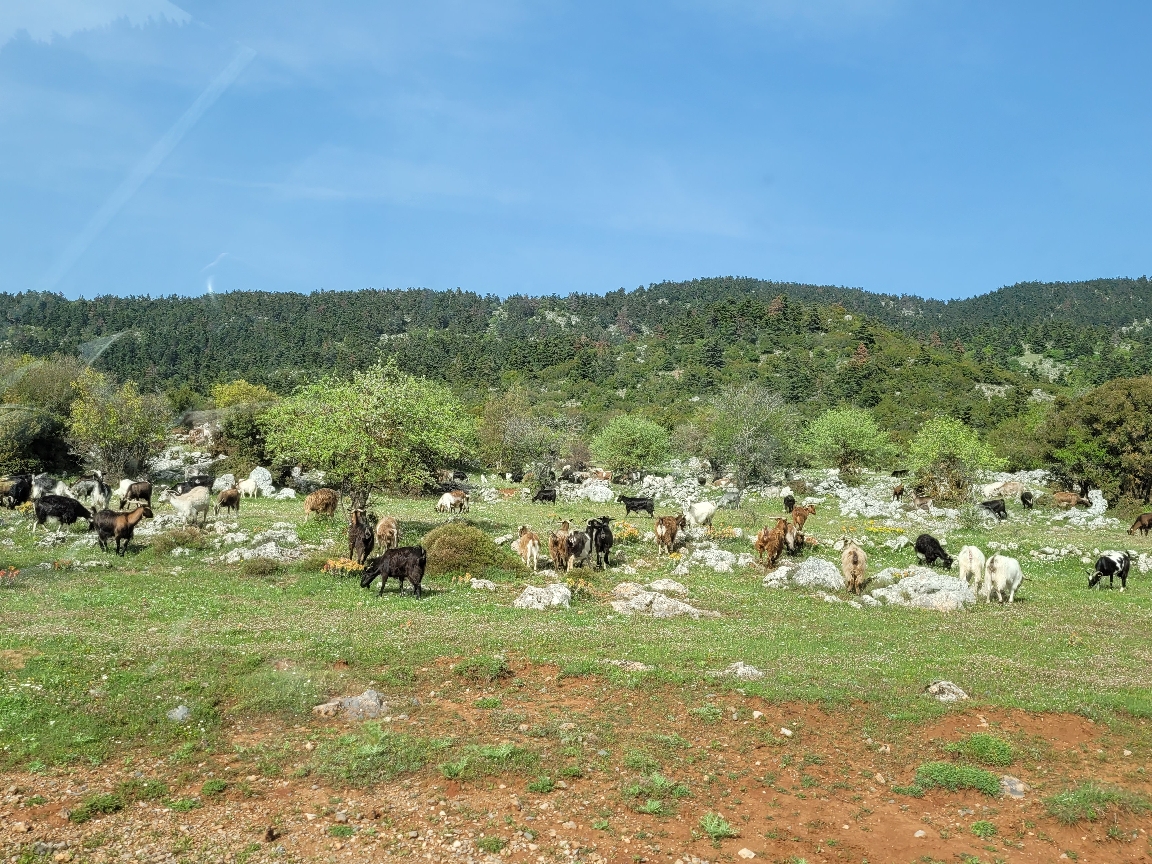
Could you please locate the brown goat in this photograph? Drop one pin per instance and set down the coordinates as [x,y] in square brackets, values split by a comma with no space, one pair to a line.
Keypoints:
[898,492]
[920,503]
[853,563]
[667,527]
[388,533]
[111,525]
[322,501]
[229,499]
[558,546]
[770,542]
[1142,524]
[1068,500]
[527,546]
[800,515]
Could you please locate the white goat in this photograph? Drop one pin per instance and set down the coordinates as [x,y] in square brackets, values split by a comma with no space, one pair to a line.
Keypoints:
[971,566]
[248,489]
[1002,575]
[190,503]
[700,514]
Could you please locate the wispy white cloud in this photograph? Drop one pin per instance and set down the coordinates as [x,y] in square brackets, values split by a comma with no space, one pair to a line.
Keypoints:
[44,20]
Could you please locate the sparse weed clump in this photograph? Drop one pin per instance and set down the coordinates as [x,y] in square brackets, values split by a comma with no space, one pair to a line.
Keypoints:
[371,755]
[483,668]
[945,775]
[478,761]
[717,827]
[1089,801]
[985,749]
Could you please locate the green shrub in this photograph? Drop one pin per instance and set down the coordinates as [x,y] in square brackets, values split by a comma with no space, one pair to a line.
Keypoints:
[542,785]
[491,845]
[1088,802]
[341,831]
[142,790]
[985,749]
[716,827]
[913,790]
[456,547]
[371,755]
[483,668]
[945,775]
[213,787]
[177,538]
[983,829]
[260,568]
[489,702]
[639,760]
[183,805]
[97,805]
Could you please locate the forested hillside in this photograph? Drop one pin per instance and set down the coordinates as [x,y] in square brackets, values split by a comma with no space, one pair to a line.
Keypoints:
[655,348]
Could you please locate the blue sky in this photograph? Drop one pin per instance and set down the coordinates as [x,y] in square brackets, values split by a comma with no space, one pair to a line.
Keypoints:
[936,148]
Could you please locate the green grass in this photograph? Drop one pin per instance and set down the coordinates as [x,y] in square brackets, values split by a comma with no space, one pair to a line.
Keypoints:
[489,702]
[640,760]
[983,829]
[97,805]
[913,790]
[214,787]
[717,827]
[183,805]
[341,831]
[371,755]
[945,775]
[985,749]
[542,785]
[132,632]
[1089,801]
[655,795]
[483,761]
[491,845]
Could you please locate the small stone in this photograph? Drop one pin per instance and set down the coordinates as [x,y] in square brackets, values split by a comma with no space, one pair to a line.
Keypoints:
[845,827]
[412,835]
[756,715]
[746,853]
[21,827]
[787,733]
[179,714]
[880,779]
[1127,752]
[1013,787]
[341,817]
[570,825]
[921,833]
[945,691]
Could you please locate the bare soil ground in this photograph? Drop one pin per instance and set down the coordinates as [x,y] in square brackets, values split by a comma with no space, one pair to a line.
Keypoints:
[822,794]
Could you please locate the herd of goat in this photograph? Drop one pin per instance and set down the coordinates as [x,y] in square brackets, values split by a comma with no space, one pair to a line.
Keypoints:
[568,547]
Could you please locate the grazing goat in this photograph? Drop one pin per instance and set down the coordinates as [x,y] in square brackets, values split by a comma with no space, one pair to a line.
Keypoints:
[1111,564]
[1027,500]
[15,490]
[920,502]
[789,503]
[794,539]
[667,527]
[770,542]
[700,514]
[388,533]
[189,504]
[638,504]
[527,546]
[229,499]
[929,548]
[248,488]
[1068,500]
[1142,524]
[114,525]
[600,530]
[135,490]
[996,507]
[361,538]
[404,563]
[971,566]
[455,501]
[191,483]
[853,564]
[579,547]
[62,509]
[600,474]
[898,492]
[558,546]
[322,501]
[800,515]
[1002,576]
[545,495]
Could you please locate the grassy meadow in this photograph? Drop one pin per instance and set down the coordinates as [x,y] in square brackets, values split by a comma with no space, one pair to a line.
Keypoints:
[93,657]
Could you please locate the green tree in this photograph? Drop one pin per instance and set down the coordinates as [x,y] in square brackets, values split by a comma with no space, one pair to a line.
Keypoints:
[630,443]
[1103,438]
[848,439]
[947,456]
[751,430]
[116,429]
[383,429]
[240,392]
[515,437]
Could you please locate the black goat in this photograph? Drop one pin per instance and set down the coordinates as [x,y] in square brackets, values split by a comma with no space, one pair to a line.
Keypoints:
[996,507]
[638,504]
[406,562]
[600,531]
[15,490]
[139,491]
[579,548]
[929,548]
[547,495]
[361,537]
[63,509]
[1027,500]
[1113,565]
[789,503]
[191,483]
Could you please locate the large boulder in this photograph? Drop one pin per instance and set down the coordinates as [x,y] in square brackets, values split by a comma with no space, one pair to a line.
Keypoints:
[818,573]
[262,477]
[658,606]
[598,494]
[926,589]
[224,481]
[543,597]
